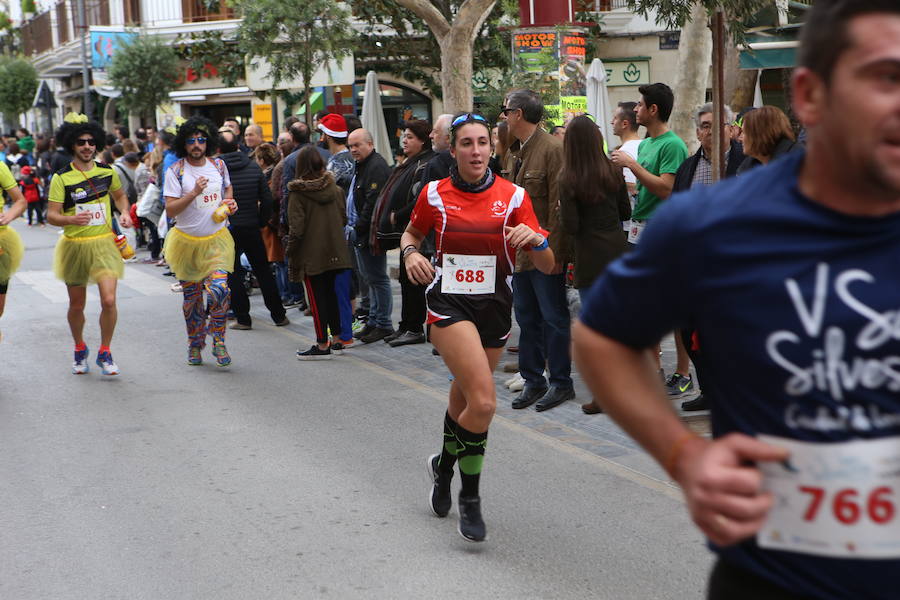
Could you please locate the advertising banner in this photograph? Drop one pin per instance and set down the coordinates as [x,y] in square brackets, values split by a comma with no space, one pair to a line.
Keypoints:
[553,63]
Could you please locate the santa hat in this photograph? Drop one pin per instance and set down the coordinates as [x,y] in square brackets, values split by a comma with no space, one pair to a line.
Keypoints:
[333,125]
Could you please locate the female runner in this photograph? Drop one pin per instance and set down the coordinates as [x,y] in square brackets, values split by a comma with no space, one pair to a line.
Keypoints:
[479,220]
[11,248]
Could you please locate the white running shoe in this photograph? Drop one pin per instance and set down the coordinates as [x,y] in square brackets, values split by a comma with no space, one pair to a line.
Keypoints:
[80,364]
[106,363]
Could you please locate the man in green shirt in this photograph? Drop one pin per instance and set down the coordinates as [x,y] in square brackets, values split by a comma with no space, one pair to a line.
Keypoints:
[659,155]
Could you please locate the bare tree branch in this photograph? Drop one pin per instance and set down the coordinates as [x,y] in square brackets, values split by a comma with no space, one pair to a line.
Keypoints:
[430,14]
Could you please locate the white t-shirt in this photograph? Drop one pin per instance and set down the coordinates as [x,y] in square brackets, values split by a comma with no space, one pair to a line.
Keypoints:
[196,219]
[630,147]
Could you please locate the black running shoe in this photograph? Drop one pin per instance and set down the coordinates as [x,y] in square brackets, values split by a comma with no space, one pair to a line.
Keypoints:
[471,525]
[439,498]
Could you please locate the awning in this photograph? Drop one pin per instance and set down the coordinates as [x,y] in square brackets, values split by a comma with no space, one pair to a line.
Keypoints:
[318,103]
[770,55]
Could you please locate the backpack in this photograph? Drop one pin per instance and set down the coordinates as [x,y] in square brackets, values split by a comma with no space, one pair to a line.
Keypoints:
[130,189]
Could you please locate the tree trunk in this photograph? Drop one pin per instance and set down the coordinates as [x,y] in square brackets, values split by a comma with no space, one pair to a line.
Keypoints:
[694,62]
[456,72]
[456,41]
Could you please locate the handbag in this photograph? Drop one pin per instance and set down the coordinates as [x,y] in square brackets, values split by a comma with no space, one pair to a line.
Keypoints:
[148,206]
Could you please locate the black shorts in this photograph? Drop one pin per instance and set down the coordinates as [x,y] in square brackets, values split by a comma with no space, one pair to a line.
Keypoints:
[4,287]
[491,315]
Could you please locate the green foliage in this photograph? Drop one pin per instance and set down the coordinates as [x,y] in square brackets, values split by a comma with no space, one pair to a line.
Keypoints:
[295,37]
[396,41]
[28,6]
[675,13]
[145,71]
[18,85]
[202,48]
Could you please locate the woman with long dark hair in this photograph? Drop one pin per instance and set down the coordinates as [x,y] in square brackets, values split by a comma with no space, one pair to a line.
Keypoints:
[316,250]
[593,200]
[469,299]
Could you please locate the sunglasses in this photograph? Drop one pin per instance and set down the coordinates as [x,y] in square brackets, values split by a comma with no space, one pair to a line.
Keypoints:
[467,118]
[196,140]
[87,142]
[504,110]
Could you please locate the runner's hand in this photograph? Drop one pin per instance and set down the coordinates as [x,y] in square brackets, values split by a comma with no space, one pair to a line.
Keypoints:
[80,219]
[419,269]
[723,488]
[232,205]
[4,220]
[125,221]
[522,236]
[199,186]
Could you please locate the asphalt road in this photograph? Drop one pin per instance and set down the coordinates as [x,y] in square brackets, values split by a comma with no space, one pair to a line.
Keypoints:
[281,479]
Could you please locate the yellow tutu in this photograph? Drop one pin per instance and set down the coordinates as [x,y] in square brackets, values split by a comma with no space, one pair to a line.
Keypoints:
[84,260]
[11,251]
[195,258]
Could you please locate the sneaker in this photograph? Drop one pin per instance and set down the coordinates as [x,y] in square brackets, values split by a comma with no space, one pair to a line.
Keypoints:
[80,366]
[290,303]
[194,356]
[698,403]
[471,525]
[678,384]
[377,333]
[240,326]
[281,323]
[364,331]
[314,353]
[338,346]
[106,363]
[439,498]
[223,359]
[358,325]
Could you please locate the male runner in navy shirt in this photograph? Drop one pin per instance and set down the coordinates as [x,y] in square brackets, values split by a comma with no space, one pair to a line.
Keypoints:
[797,262]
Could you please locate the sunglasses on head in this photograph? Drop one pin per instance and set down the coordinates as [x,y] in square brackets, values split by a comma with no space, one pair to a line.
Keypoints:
[196,140]
[467,118]
[86,142]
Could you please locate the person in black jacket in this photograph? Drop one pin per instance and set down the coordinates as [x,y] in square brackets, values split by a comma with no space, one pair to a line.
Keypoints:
[687,174]
[697,170]
[392,212]
[371,174]
[254,200]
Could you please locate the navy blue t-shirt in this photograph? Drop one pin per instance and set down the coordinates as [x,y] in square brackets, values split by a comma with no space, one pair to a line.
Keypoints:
[797,312]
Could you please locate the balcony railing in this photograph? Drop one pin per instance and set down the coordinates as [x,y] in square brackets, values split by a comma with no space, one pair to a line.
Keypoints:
[62,22]
[196,11]
[37,35]
[599,5]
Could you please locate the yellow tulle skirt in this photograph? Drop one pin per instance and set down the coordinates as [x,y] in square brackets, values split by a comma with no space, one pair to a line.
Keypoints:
[195,258]
[11,251]
[84,260]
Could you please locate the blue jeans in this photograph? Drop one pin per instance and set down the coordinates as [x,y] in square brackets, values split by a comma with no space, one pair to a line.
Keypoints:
[342,292]
[545,329]
[281,279]
[381,302]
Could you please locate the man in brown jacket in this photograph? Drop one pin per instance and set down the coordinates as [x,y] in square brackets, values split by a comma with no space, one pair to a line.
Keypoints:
[535,160]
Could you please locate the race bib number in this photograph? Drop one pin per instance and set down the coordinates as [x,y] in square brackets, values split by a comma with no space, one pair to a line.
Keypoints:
[635,231]
[467,274]
[97,210]
[836,499]
[208,200]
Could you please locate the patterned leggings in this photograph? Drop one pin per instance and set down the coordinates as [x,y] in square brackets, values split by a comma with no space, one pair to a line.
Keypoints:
[217,299]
